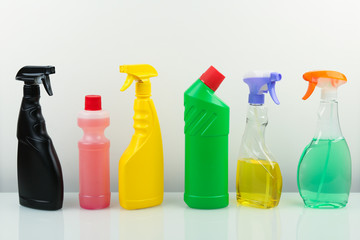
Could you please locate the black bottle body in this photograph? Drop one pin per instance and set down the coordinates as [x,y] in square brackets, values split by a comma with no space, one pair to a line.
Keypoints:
[40,179]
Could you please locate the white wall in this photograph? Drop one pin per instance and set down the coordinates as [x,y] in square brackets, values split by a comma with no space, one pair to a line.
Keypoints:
[88,40]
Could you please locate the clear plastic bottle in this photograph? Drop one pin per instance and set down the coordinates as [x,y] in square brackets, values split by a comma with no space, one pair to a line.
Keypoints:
[94,163]
[324,172]
[258,178]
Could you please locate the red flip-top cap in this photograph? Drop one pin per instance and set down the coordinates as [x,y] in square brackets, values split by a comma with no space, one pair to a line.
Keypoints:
[212,78]
[92,102]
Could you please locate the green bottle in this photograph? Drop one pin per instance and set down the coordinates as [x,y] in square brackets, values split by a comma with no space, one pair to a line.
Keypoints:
[324,172]
[206,144]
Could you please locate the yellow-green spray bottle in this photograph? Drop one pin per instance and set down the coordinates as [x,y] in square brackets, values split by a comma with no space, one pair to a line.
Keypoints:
[141,167]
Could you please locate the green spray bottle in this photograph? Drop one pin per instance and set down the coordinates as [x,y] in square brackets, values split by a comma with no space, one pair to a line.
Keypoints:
[324,172]
[206,144]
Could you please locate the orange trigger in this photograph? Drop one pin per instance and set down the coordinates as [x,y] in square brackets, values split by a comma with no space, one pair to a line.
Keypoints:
[310,90]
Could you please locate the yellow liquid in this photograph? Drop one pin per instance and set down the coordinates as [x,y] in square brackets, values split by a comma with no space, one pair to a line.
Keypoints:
[258,183]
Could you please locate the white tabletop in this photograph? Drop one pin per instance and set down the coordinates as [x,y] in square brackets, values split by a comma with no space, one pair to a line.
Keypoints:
[174,220]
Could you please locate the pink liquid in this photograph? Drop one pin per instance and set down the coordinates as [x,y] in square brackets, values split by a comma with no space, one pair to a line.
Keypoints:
[94,163]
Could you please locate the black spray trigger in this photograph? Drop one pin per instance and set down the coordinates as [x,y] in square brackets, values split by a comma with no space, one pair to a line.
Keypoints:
[46,82]
[35,75]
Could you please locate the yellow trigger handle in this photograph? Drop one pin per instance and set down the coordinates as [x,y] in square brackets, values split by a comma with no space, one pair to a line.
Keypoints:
[138,72]
[129,80]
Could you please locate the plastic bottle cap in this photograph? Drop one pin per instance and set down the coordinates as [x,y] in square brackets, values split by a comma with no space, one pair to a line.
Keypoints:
[92,102]
[261,82]
[212,78]
[328,81]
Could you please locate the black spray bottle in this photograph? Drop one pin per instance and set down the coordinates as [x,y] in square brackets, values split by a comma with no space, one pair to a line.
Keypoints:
[40,179]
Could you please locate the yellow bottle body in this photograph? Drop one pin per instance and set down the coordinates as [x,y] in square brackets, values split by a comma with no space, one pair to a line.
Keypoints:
[258,183]
[141,167]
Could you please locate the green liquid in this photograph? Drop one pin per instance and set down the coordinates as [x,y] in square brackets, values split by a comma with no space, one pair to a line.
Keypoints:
[324,173]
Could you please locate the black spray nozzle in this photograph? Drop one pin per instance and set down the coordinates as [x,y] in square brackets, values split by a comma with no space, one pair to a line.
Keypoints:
[35,75]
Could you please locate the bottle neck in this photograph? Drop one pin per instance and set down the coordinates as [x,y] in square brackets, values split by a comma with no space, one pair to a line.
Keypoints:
[31,97]
[256,120]
[143,89]
[93,128]
[329,94]
[97,132]
[94,121]
[31,91]
[31,122]
[328,126]
[253,142]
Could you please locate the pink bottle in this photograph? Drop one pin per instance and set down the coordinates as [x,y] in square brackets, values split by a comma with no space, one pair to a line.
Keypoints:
[94,163]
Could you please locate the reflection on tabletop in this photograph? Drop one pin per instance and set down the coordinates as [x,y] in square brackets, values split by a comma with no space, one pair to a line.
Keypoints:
[143,224]
[34,224]
[206,224]
[258,224]
[327,224]
[95,224]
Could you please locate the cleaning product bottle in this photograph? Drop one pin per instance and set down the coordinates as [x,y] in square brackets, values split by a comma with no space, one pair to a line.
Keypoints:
[40,179]
[141,167]
[324,172]
[206,143]
[94,160]
[258,178]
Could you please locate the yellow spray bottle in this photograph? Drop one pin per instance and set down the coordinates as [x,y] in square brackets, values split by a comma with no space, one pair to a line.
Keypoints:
[141,167]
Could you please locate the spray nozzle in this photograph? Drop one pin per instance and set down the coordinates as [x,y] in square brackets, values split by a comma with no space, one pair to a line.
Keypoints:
[35,75]
[328,81]
[140,72]
[260,83]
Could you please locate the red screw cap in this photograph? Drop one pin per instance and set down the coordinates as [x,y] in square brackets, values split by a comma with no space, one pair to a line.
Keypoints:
[92,102]
[212,78]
